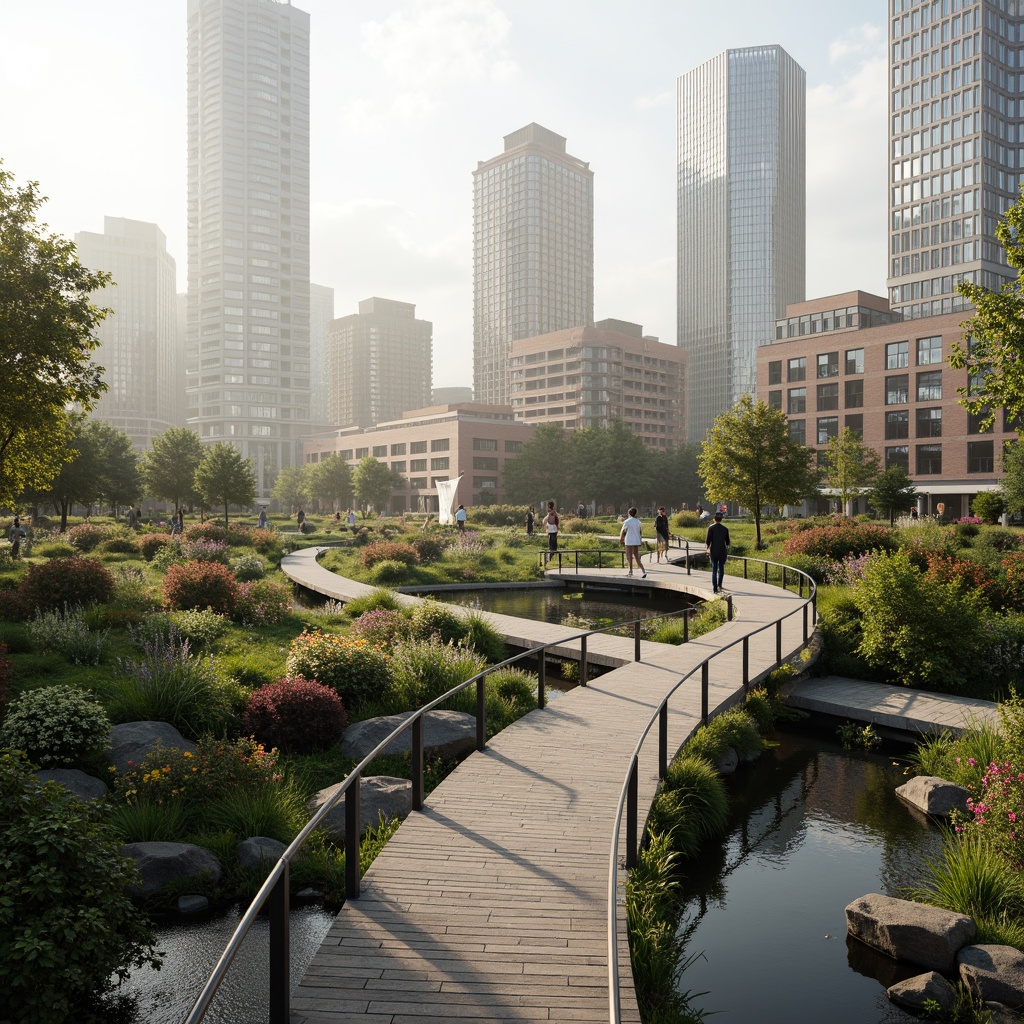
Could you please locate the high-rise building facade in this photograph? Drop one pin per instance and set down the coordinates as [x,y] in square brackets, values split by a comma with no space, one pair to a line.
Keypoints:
[378,363]
[321,313]
[533,251]
[139,342]
[955,165]
[247,348]
[741,218]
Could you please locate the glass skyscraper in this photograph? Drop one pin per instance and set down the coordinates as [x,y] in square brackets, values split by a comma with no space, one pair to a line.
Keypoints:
[533,251]
[741,218]
[956,147]
[247,336]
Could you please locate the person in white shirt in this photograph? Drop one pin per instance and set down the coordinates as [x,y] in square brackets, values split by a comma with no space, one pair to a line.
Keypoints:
[460,517]
[631,535]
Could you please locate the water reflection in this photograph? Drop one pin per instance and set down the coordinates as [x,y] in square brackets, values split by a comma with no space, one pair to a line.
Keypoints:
[813,828]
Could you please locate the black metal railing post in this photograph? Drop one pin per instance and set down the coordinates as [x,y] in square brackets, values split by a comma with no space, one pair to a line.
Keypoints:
[280,951]
[636,640]
[805,623]
[686,625]
[583,661]
[766,572]
[704,693]
[352,840]
[663,740]
[417,763]
[542,674]
[632,847]
[688,570]
[728,605]
[746,663]
[481,713]
[778,642]
[784,587]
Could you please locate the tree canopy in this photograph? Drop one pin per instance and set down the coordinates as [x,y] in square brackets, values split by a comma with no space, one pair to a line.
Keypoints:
[893,493]
[48,323]
[1012,485]
[748,457]
[225,478]
[851,465]
[329,481]
[540,473]
[374,482]
[994,353]
[290,488]
[170,464]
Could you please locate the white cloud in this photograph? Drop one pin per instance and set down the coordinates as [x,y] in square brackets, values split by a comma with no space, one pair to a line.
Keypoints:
[865,40]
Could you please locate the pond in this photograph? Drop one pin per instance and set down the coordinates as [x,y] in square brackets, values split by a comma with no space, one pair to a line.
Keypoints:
[813,828]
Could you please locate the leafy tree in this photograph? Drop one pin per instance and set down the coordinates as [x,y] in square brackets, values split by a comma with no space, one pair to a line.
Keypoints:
[893,493]
[330,481]
[290,488]
[47,323]
[541,470]
[374,482]
[994,354]
[170,464]
[988,506]
[609,464]
[80,478]
[1012,485]
[120,481]
[225,478]
[674,475]
[749,457]
[852,465]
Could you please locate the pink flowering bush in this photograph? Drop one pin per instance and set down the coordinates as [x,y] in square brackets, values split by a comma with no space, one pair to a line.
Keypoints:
[848,572]
[841,541]
[381,626]
[202,550]
[388,551]
[262,603]
[85,536]
[995,812]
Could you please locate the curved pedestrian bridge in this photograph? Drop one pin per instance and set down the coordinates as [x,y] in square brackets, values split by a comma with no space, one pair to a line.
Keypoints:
[492,903]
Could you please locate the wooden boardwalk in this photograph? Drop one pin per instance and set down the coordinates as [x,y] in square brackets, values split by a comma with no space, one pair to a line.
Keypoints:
[491,904]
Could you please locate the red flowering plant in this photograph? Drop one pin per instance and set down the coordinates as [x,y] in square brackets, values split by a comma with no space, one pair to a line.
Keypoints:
[65,581]
[388,551]
[998,811]
[262,603]
[200,585]
[967,575]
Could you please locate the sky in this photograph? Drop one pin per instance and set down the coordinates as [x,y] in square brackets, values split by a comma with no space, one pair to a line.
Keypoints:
[407,96]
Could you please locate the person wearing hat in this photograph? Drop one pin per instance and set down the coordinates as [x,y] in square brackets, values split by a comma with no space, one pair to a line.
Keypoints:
[717,544]
[661,532]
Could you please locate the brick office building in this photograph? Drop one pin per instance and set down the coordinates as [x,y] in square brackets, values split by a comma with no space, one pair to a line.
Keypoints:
[843,361]
[440,443]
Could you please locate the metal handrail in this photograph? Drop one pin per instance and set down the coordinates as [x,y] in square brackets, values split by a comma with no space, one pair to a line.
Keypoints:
[546,557]
[275,887]
[628,794]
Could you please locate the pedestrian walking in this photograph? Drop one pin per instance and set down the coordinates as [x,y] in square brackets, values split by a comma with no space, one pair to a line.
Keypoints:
[717,544]
[661,532]
[631,536]
[529,521]
[551,529]
[460,517]
[16,534]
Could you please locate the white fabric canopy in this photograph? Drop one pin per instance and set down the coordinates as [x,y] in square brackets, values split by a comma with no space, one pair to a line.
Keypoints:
[446,490]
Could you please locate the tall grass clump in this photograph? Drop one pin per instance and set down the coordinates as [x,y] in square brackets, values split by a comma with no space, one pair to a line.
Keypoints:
[424,670]
[64,631]
[379,598]
[484,638]
[734,728]
[693,806]
[710,616]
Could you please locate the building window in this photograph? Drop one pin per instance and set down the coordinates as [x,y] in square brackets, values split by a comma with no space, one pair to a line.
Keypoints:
[439,444]
[929,386]
[775,399]
[418,483]
[797,369]
[855,423]
[417,447]
[480,462]
[828,426]
[854,394]
[398,449]
[929,423]
[929,350]
[398,467]
[896,389]
[484,444]
[417,465]
[828,365]
[897,424]
[898,455]
[775,372]
[828,397]
[436,464]
[980,458]
[346,454]
[855,360]
[897,355]
[486,483]
[929,459]
[974,423]
[361,453]
[513,447]
[797,431]
[380,451]
[797,402]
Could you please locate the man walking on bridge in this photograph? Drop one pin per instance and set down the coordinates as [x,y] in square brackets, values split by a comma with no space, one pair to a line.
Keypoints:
[717,544]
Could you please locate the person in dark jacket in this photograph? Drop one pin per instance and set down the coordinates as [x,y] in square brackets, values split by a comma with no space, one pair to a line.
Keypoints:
[717,544]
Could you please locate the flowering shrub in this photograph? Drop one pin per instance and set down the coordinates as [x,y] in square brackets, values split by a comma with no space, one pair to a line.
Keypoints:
[56,726]
[202,550]
[1011,582]
[151,543]
[264,541]
[965,574]
[999,539]
[997,809]
[848,572]
[390,551]
[64,631]
[298,715]
[85,536]
[926,539]
[840,541]
[248,567]
[205,531]
[262,602]
[381,626]
[968,521]
[429,549]
[66,581]
[356,670]
[467,542]
[200,585]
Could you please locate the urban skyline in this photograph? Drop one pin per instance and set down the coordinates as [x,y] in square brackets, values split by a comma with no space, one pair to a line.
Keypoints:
[392,149]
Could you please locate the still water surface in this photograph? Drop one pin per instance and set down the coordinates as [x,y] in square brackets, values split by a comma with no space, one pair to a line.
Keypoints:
[813,829]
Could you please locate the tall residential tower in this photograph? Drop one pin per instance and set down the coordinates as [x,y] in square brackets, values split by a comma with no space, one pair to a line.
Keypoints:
[955,165]
[533,251]
[247,355]
[741,218]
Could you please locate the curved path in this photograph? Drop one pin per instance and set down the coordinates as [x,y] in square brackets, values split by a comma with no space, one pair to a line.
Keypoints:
[490,905]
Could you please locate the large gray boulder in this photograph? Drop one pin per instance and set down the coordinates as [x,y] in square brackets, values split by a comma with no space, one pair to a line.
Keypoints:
[448,734]
[993,973]
[923,935]
[130,742]
[84,787]
[913,992]
[934,795]
[259,851]
[378,794]
[160,864]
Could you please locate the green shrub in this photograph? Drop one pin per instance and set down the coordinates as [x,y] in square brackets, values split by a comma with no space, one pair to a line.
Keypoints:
[388,551]
[200,627]
[57,727]
[149,821]
[170,554]
[734,728]
[248,567]
[710,615]
[54,549]
[295,715]
[815,567]
[999,539]
[65,632]
[151,543]
[988,506]
[277,811]
[389,571]
[119,545]
[357,671]
[425,669]
[200,585]
[685,520]
[484,638]
[429,549]
[693,806]
[67,581]
[68,929]
[432,618]
[380,598]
